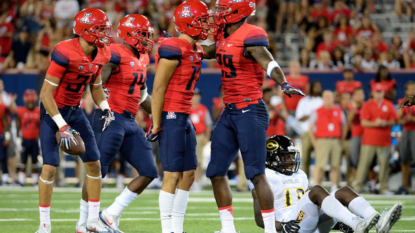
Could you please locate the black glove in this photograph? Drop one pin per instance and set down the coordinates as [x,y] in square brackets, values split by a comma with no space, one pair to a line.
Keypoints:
[290,227]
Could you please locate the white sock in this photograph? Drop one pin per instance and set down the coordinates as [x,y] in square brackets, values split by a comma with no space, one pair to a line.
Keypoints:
[361,207]
[44,211]
[179,210]
[269,220]
[333,208]
[122,201]
[93,210]
[166,201]
[22,178]
[226,218]
[83,213]
[35,178]
[5,177]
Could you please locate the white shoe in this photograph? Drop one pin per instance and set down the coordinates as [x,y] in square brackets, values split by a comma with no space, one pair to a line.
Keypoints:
[98,226]
[44,228]
[389,218]
[364,225]
[80,228]
[112,221]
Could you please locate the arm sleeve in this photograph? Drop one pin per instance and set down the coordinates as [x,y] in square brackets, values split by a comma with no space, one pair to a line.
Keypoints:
[169,49]
[257,37]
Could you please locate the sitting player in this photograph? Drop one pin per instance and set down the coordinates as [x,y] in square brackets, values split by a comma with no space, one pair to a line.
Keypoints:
[75,64]
[125,77]
[28,122]
[315,210]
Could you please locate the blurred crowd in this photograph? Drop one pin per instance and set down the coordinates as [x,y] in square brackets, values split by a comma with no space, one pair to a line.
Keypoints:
[334,33]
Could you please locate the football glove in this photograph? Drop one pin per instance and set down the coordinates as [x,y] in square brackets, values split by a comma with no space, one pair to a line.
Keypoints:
[152,137]
[66,136]
[106,92]
[289,90]
[290,227]
[108,116]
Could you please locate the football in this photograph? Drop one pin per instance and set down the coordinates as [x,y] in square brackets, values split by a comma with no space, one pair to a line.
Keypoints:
[75,149]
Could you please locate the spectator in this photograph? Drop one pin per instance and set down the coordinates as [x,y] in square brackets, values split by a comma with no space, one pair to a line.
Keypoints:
[65,11]
[368,63]
[409,48]
[327,131]
[353,120]
[345,106]
[328,44]
[406,117]
[28,12]
[396,47]
[384,78]
[340,10]
[6,37]
[344,32]
[338,58]
[305,108]
[315,35]
[298,81]
[379,47]
[304,58]
[323,62]
[320,11]
[412,63]
[405,6]
[348,85]
[276,119]
[367,29]
[20,50]
[202,121]
[289,7]
[390,62]
[302,17]
[377,117]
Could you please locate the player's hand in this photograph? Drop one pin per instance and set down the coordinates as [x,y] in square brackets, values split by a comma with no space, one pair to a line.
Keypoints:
[106,92]
[153,134]
[66,136]
[108,116]
[407,102]
[290,227]
[289,90]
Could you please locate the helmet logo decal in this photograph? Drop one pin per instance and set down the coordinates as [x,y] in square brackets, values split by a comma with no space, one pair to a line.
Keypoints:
[272,145]
[86,17]
[129,22]
[186,12]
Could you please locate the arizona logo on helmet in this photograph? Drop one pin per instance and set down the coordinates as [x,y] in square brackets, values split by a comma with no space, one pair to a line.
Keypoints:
[186,12]
[86,17]
[129,22]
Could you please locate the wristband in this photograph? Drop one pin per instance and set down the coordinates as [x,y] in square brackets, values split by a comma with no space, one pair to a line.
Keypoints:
[58,119]
[104,105]
[7,136]
[143,94]
[272,65]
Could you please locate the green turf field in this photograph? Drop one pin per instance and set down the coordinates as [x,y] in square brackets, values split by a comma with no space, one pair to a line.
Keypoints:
[19,211]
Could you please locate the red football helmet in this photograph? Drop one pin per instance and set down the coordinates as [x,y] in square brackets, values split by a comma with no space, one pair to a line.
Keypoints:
[93,25]
[136,31]
[30,95]
[232,11]
[194,19]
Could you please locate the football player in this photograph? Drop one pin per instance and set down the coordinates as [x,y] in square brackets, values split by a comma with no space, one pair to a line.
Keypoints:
[241,51]
[28,122]
[125,78]
[75,64]
[315,210]
[178,63]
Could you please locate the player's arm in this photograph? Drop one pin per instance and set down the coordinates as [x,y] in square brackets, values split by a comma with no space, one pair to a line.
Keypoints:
[145,99]
[99,98]
[209,52]
[165,70]
[267,62]
[107,70]
[257,210]
[46,96]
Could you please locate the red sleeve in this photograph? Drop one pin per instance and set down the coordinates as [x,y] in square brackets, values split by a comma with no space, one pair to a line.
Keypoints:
[365,113]
[56,70]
